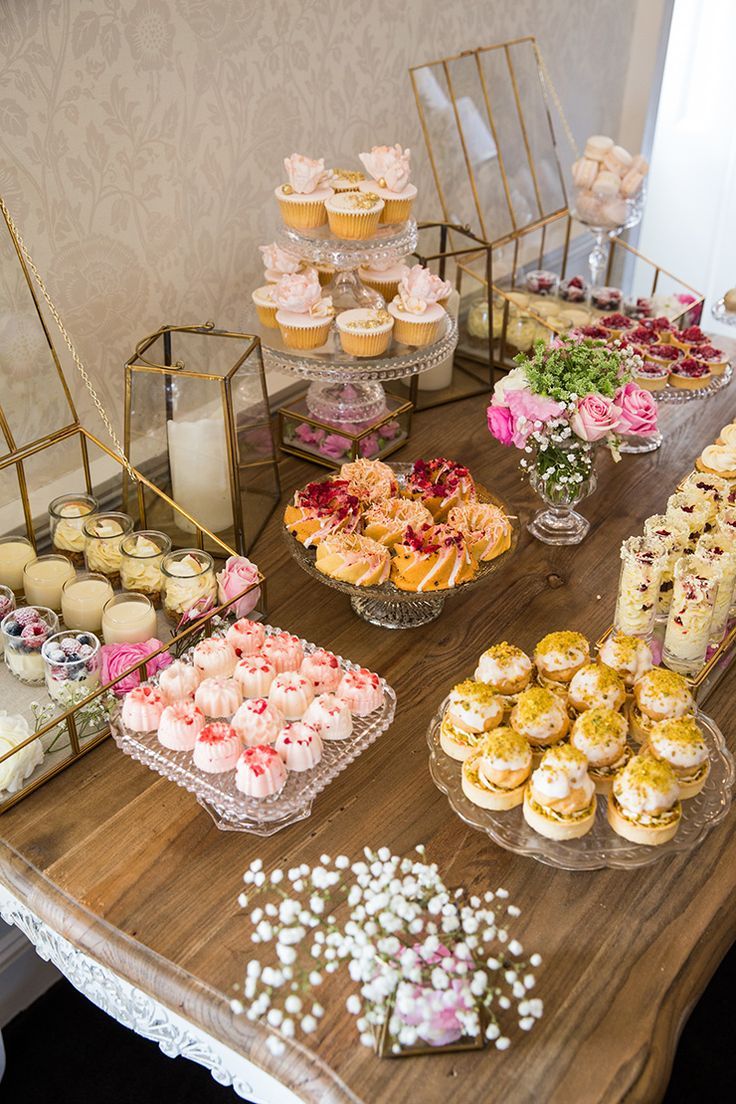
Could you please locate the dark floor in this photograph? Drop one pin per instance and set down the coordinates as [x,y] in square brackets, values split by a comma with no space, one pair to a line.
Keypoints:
[63,1050]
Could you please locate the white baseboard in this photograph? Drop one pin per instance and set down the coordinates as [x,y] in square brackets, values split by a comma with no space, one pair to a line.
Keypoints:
[23,975]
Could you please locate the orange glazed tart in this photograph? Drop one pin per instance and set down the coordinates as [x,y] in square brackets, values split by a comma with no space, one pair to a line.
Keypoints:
[485,526]
[440,484]
[353,559]
[320,509]
[435,558]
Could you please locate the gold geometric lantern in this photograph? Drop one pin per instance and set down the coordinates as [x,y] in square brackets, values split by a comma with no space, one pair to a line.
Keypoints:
[197,424]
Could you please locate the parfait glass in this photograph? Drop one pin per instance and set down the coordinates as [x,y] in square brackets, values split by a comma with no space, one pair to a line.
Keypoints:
[563,475]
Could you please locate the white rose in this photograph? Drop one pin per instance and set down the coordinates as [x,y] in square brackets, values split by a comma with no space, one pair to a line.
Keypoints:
[515,380]
[14,729]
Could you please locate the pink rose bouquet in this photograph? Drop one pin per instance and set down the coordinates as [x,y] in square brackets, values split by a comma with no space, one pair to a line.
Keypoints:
[118,658]
[238,574]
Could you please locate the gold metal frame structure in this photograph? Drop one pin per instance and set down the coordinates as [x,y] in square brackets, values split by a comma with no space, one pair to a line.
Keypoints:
[405,408]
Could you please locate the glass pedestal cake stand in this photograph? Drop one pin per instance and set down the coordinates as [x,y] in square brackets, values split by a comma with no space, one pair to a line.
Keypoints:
[344,388]
[385,605]
[603,235]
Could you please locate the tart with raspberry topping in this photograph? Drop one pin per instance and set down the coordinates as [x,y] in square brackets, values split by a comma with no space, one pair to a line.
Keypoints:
[663,354]
[690,374]
[715,358]
[651,376]
[615,324]
[690,337]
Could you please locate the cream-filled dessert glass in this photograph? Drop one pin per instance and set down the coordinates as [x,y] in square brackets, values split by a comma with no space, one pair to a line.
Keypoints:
[128,618]
[83,599]
[44,579]
[23,638]
[694,598]
[674,533]
[66,524]
[15,552]
[72,664]
[712,549]
[189,581]
[642,561]
[103,536]
[140,564]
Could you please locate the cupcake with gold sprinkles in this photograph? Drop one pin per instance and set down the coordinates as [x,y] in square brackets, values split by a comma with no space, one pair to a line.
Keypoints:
[354,216]
[346,180]
[364,332]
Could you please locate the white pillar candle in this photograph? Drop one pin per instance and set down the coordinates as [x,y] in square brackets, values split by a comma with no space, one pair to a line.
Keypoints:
[128,619]
[15,552]
[82,602]
[200,478]
[44,578]
[441,375]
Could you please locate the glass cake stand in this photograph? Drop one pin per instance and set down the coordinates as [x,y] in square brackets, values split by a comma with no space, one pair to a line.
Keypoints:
[719,312]
[601,846]
[385,605]
[670,394]
[230,809]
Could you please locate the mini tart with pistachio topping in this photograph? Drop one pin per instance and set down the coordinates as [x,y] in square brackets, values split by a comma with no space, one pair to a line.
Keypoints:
[644,805]
[679,742]
[473,707]
[540,717]
[560,801]
[496,774]
[504,667]
[658,695]
[629,656]
[600,734]
[594,684]
[559,655]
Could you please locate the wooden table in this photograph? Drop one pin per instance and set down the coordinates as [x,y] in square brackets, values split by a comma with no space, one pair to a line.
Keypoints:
[133,873]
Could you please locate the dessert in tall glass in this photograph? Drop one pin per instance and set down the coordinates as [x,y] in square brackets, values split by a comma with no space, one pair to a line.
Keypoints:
[189,582]
[642,561]
[140,563]
[103,536]
[712,550]
[688,625]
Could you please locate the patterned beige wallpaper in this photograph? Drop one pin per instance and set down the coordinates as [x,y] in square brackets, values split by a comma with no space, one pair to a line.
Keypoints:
[140,139]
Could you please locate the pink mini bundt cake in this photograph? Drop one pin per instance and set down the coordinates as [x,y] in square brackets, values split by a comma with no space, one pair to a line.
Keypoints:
[180,725]
[362,690]
[257,722]
[291,693]
[284,651]
[214,658]
[217,748]
[142,708]
[178,681]
[218,697]
[330,715]
[260,772]
[299,745]
[254,676]
[246,637]
[323,670]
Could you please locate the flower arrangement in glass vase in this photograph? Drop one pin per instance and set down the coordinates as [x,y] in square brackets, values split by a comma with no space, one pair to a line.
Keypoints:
[558,405]
[434,967]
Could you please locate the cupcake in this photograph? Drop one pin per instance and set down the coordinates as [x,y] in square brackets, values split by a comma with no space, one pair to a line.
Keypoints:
[254,676]
[387,521]
[217,748]
[284,651]
[629,656]
[718,460]
[369,480]
[265,306]
[361,690]
[299,745]
[658,696]
[257,721]
[594,685]
[560,801]
[418,317]
[540,717]
[353,559]
[389,166]
[304,316]
[179,726]
[383,277]
[246,637]
[323,670]
[331,717]
[291,693]
[600,734]
[439,484]
[431,559]
[644,806]
[346,180]
[364,331]
[178,681]
[260,772]
[559,656]
[279,262]
[218,697]
[484,526]
[142,708]
[496,774]
[302,199]
[214,657]
[505,668]
[354,216]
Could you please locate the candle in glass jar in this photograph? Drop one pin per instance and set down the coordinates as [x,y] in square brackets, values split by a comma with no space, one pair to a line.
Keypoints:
[83,600]
[200,477]
[15,552]
[128,619]
[44,578]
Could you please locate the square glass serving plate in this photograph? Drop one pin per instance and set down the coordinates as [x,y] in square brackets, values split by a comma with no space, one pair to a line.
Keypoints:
[229,808]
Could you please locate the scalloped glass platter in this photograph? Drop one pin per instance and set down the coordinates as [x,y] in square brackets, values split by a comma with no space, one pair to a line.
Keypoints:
[390,243]
[671,394]
[601,847]
[232,810]
[385,605]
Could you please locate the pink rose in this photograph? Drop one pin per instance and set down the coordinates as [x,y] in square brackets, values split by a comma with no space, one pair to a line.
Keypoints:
[276,259]
[334,446]
[237,574]
[118,658]
[389,163]
[369,445]
[391,430]
[595,417]
[306,175]
[637,411]
[297,291]
[500,423]
[307,435]
[527,408]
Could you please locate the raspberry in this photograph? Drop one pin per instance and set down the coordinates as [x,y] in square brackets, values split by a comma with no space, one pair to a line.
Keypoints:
[69,645]
[26,616]
[33,635]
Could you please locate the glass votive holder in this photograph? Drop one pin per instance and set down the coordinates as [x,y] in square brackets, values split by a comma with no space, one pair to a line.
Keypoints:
[15,552]
[103,535]
[128,618]
[24,633]
[140,564]
[642,561]
[83,599]
[44,579]
[687,634]
[71,665]
[66,524]
[713,550]
[7,601]
[189,581]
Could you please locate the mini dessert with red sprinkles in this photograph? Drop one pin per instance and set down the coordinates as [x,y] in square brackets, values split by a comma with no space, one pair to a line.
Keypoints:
[291,693]
[574,290]
[607,298]
[690,337]
[218,697]
[440,484]
[436,558]
[217,748]
[361,690]
[257,722]
[214,658]
[246,637]
[663,354]
[260,772]
[142,708]
[299,745]
[651,376]
[322,669]
[690,374]
[331,717]
[598,333]
[321,508]
[254,676]
[179,726]
[284,651]
[616,323]
[715,358]
[178,681]
[644,335]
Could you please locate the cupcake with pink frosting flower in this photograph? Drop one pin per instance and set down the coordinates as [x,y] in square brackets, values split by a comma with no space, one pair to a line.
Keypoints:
[390,169]
[279,262]
[416,310]
[304,316]
[302,198]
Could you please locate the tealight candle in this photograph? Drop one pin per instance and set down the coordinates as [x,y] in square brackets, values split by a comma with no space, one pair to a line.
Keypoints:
[83,600]
[15,552]
[44,578]
[128,619]
[66,523]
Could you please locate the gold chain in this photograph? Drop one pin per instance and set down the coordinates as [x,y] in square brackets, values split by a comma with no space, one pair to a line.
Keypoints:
[547,79]
[69,343]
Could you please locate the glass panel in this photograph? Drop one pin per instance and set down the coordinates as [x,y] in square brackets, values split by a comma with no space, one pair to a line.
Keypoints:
[538,128]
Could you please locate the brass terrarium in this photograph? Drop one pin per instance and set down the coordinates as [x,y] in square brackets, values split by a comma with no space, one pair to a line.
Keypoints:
[46,453]
[197,423]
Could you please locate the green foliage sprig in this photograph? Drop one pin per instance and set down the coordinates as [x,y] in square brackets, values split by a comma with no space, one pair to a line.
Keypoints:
[574,369]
